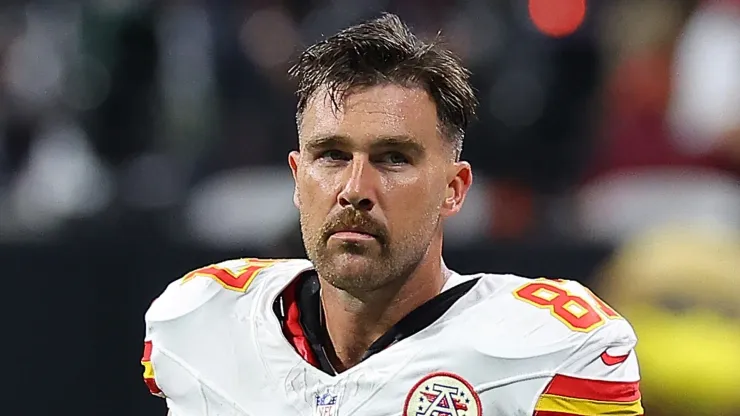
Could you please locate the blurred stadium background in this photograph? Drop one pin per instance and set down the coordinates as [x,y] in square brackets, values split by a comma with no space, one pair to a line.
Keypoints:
[140,139]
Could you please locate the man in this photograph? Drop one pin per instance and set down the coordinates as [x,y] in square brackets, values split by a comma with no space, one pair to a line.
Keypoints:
[375,324]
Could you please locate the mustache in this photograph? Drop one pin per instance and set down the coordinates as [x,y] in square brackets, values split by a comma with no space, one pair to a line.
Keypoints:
[356,220]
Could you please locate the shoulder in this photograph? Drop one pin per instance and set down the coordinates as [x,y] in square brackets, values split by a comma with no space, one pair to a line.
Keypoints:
[541,315]
[197,312]
[225,281]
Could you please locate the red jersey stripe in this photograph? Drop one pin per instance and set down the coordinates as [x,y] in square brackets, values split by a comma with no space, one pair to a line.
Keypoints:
[580,388]
[292,327]
[147,356]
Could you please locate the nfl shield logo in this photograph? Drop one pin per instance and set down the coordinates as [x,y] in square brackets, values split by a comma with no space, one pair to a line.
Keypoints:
[327,404]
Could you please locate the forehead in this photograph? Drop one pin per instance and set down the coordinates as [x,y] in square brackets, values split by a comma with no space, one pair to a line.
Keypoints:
[377,111]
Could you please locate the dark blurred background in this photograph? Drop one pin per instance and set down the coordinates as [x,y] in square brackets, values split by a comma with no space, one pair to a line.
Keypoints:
[140,139]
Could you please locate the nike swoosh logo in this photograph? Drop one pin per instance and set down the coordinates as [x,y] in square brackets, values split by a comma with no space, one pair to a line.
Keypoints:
[613,360]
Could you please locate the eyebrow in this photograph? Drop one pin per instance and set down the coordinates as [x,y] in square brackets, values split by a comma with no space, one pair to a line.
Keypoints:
[400,142]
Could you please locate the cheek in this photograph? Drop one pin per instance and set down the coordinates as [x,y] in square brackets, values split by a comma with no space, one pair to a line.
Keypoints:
[414,199]
[316,189]
[326,185]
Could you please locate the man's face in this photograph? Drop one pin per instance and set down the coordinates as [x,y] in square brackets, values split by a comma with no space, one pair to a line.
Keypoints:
[373,181]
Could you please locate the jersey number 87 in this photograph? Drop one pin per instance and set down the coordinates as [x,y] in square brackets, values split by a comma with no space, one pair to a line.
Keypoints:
[575,311]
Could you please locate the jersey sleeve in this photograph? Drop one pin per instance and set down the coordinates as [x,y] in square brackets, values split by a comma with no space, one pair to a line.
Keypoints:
[179,344]
[176,302]
[166,374]
[175,384]
[149,378]
[599,378]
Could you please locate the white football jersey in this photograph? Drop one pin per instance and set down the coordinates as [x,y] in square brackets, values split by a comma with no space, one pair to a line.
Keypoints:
[508,346]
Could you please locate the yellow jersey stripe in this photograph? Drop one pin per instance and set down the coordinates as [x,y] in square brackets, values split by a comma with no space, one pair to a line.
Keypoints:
[583,407]
[148,369]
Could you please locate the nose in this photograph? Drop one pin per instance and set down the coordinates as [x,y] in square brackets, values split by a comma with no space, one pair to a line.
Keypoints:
[359,186]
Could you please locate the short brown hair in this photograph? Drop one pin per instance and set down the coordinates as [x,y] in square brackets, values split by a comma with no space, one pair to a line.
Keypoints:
[383,51]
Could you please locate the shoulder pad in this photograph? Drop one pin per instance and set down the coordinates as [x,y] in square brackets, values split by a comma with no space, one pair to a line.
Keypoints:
[229,278]
[541,316]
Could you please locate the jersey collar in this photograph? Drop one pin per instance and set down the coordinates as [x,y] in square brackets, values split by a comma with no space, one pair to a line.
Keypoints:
[301,314]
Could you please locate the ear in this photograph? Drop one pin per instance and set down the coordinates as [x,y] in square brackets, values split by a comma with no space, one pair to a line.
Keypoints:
[459,179]
[293,161]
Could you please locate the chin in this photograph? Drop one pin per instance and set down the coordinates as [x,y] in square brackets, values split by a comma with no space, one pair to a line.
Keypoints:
[353,264]
[353,272]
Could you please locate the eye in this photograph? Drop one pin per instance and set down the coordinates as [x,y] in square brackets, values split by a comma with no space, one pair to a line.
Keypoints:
[394,158]
[333,155]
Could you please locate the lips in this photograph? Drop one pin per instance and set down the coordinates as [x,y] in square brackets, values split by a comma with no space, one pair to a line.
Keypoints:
[354,230]
[355,235]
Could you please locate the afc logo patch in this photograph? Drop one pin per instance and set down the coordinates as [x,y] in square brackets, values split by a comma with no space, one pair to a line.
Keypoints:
[442,394]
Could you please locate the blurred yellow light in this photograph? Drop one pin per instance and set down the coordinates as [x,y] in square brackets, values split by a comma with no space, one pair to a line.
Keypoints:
[689,361]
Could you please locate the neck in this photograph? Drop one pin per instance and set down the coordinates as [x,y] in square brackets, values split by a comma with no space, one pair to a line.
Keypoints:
[354,324]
